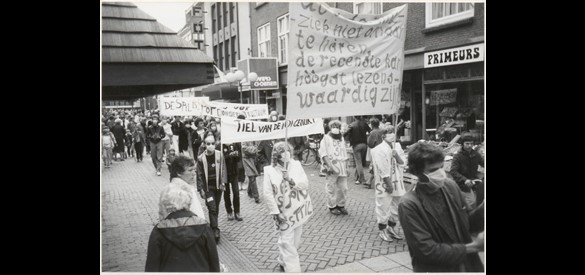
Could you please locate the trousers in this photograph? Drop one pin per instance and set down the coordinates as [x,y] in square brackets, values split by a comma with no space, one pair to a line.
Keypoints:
[233,183]
[156,152]
[359,154]
[387,209]
[336,188]
[288,243]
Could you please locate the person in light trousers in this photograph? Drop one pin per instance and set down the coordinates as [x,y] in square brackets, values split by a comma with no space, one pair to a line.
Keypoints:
[388,165]
[334,154]
[286,196]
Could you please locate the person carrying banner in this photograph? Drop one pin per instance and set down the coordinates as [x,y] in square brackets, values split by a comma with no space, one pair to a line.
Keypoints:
[332,151]
[211,180]
[388,164]
[287,198]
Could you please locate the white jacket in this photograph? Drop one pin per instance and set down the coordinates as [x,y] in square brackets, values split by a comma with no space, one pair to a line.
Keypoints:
[386,166]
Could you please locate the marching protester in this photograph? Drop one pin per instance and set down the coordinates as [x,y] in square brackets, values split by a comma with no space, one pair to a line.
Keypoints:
[332,151]
[129,142]
[155,134]
[176,125]
[183,174]
[170,158]
[186,137]
[388,165]
[232,158]
[182,241]
[139,140]
[374,139]
[119,133]
[200,131]
[435,217]
[211,180]
[464,171]
[249,155]
[357,135]
[108,143]
[285,179]
[167,139]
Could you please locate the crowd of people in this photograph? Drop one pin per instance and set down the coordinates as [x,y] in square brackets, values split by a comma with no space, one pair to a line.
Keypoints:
[441,216]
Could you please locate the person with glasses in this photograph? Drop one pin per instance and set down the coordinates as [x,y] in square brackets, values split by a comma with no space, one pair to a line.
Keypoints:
[436,218]
[211,180]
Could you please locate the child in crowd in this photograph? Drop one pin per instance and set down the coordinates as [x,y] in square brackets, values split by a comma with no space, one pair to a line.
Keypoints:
[108,143]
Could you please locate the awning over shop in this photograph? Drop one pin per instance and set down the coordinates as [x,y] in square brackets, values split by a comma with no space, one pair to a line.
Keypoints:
[141,57]
[227,91]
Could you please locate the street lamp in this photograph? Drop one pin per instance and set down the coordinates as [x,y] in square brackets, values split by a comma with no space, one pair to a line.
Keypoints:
[240,77]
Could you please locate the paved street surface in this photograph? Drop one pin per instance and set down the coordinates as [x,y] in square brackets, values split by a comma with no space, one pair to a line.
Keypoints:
[130,193]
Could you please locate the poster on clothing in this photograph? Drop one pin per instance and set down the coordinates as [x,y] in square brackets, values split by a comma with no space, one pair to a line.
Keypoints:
[343,64]
[296,206]
[245,130]
[223,109]
[182,106]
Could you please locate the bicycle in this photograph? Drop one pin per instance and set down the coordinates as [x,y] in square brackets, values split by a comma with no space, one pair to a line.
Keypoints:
[311,155]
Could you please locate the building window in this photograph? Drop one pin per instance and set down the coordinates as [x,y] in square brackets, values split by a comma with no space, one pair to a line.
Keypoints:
[232,10]
[282,26]
[264,40]
[215,54]
[220,59]
[233,41]
[227,54]
[213,18]
[225,15]
[219,17]
[443,13]
[367,8]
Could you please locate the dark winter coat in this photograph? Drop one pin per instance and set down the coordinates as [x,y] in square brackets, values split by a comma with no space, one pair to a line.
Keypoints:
[464,166]
[182,242]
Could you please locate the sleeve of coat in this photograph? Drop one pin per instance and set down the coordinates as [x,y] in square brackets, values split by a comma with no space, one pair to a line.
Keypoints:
[455,166]
[269,193]
[200,175]
[223,169]
[420,241]
[300,177]
[212,250]
[378,159]
[153,254]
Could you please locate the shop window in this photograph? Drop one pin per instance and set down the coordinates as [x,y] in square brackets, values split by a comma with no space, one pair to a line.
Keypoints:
[477,70]
[367,8]
[433,74]
[283,29]
[264,40]
[453,72]
[443,13]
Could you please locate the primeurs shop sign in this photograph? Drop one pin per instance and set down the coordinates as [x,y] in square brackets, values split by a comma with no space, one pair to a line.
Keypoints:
[461,55]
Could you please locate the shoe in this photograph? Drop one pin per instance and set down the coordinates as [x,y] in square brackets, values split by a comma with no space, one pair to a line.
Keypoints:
[393,233]
[357,182]
[257,200]
[335,211]
[158,173]
[281,268]
[384,235]
[230,216]
[342,210]
[238,218]
[216,233]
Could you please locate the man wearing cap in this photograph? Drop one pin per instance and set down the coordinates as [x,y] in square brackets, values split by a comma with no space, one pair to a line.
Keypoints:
[155,134]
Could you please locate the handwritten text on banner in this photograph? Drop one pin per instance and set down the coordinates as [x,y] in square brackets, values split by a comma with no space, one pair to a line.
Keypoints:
[197,106]
[245,130]
[344,64]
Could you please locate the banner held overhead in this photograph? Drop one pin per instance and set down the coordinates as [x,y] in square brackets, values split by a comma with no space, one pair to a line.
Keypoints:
[246,130]
[343,64]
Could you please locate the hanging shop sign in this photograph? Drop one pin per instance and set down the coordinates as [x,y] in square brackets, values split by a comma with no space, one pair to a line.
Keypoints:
[454,56]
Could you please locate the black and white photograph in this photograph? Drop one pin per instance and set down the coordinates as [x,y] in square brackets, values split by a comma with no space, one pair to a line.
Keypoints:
[298,137]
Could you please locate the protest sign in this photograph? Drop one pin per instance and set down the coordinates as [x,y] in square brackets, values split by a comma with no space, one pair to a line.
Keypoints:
[223,109]
[344,64]
[246,130]
[182,106]
[296,206]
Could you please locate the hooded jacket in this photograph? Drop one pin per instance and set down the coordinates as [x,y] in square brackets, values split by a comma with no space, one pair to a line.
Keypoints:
[182,242]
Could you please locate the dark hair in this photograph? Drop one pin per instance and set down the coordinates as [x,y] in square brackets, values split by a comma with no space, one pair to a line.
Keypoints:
[180,164]
[375,122]
[197,121]
[422,154]
[241,117]
[466,137]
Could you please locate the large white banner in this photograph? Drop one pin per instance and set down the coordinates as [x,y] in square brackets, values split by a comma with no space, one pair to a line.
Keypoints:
[222,109]
[182,106]
[343,64]
[197,106]
[246,130]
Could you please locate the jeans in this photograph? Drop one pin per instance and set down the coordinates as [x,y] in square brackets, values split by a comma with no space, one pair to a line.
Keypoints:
[233,183]
[156,151]
[212,206]
[359,154]
[336,188]
[288,243]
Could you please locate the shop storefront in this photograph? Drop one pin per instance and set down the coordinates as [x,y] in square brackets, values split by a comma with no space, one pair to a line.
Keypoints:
[444,96]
